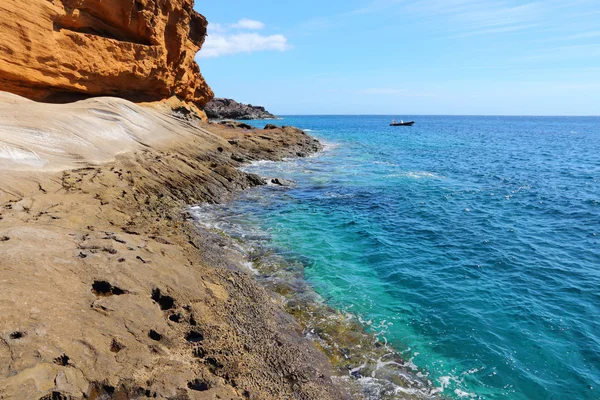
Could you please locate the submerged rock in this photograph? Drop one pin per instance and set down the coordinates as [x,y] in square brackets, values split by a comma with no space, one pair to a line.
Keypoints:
[282,182]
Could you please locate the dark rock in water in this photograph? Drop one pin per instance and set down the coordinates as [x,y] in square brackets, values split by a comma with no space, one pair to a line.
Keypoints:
[270,126]
[282,182]
[231,109]
[255,180]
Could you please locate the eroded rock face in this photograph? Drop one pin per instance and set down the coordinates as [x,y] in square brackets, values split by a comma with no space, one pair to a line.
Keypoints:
[62,50]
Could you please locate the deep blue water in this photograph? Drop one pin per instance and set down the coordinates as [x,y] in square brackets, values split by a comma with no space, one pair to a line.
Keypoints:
[471,243]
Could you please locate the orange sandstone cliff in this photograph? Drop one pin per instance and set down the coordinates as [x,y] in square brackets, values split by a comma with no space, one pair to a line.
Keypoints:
[141,50]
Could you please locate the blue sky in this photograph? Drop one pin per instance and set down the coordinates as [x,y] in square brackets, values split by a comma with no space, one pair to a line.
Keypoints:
[403,57]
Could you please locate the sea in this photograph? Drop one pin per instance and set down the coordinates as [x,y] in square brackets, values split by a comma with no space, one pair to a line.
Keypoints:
[470,244]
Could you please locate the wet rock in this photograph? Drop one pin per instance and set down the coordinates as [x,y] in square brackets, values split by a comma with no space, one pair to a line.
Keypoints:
[256,180]
[282,182]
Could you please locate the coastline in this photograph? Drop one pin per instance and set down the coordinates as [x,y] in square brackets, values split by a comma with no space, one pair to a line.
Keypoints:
[362,358]
[110,290]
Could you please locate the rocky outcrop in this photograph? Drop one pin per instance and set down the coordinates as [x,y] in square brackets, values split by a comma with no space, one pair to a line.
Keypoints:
[63,50]
[231,109]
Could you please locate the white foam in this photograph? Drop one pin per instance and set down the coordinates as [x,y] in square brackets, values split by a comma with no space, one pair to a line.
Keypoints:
[250,265]
[416,175]
[422,175]
[444,382]
[328,146]
[463,394]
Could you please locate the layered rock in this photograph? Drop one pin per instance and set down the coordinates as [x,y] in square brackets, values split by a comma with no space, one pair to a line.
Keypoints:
[231,109]
[141,50]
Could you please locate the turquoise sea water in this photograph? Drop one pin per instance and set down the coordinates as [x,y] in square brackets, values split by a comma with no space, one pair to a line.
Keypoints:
[471,243]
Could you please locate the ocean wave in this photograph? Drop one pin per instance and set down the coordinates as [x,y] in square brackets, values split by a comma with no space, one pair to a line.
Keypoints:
[416,175]
[328,146]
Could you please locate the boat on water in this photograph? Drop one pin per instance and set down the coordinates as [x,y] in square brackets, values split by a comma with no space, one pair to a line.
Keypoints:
[402,123]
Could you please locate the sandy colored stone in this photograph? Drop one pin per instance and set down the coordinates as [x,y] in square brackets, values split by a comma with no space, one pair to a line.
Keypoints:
[142,50]
[108,290]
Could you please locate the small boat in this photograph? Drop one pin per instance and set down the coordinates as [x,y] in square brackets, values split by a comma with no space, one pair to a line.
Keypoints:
[409,123]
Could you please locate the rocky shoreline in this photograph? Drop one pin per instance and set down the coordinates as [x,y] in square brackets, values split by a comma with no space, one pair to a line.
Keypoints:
[109,290]
[363,362]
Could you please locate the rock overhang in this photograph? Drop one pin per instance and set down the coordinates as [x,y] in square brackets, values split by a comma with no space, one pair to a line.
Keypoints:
[65,50]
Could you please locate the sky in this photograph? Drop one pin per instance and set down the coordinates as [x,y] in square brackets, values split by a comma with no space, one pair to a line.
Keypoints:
[405,57]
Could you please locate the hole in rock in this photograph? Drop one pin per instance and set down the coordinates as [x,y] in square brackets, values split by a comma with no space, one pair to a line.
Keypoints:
[56,396]
[115,346]
[181,111]
[198,385]
[213,364]
[175,318]
[194,337]
[199,352]
[17,335]
[197,30]
[103,391]
[139,6]
[108,389]
[4,238]
[165,302]
[105,289]
[154,335]
[62,360]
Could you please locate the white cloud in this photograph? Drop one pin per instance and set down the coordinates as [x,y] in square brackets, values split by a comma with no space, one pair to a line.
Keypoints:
[220,45]
[249,24]
[227,39]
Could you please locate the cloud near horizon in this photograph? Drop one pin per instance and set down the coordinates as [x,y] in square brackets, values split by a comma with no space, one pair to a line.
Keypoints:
[231,39]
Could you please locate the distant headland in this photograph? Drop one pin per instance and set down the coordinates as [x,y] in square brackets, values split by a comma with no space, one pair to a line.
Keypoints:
[220,108]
